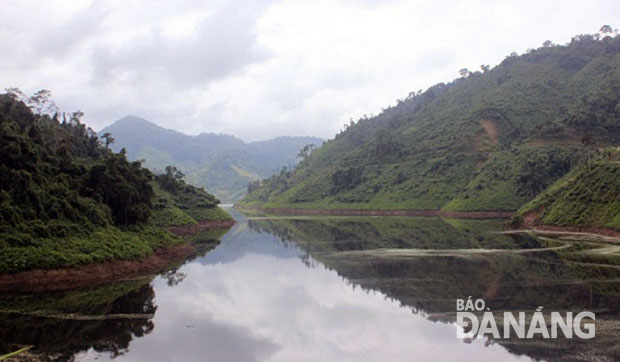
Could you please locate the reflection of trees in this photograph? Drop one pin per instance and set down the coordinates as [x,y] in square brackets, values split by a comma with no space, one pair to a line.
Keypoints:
[105,318]
[430,285]
[203,242]
[65,336]
[174,277]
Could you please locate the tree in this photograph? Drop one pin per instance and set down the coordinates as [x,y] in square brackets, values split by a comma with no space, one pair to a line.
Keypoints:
[548,44]
[587,141]
[464,72]
[253,186]
[307,150]
[41,101]
[16,94]
[108,139]
[173,173]
[606,30]
[346,179]
[76,117]
[485,68]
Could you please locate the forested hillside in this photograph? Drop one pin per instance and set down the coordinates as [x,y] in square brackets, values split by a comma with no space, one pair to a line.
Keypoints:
[490,140]
[66,199]
[222,164]
[586,197]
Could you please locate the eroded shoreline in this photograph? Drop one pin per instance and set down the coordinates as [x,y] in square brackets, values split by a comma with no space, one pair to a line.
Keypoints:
[375,212]
[47,280]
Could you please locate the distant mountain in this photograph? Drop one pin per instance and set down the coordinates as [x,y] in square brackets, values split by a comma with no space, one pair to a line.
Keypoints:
[491,140]
[222,164]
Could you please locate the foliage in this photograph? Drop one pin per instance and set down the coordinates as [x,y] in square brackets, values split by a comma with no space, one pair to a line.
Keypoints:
[20,251]
[583,197]
[51,170]
[60,339]
[177,203]
[490,140]
[66,199]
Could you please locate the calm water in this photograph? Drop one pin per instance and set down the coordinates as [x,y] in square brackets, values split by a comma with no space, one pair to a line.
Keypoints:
[330,289]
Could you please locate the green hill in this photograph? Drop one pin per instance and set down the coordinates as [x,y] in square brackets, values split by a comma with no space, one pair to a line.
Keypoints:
[66,200]
[582,198]
[222,164]
[490,140]
[178,204]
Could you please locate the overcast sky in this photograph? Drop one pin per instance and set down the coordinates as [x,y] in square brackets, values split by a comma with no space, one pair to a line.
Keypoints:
[260,69]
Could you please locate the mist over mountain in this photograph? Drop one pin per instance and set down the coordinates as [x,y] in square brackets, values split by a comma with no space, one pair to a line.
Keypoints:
[222,164]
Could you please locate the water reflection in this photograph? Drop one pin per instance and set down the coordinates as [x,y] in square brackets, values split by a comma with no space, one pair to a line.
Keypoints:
[511,272]
[62,324]
[331,289]
[253,299]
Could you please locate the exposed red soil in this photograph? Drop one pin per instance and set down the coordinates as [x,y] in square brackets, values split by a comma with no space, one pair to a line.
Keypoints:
[491,130]
[530,222]
[529,219]
[41,280]
[358,212]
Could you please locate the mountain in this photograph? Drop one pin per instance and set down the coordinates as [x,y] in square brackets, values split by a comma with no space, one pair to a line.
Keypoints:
[586,198]
[491,140]
[67,200]
[220,163]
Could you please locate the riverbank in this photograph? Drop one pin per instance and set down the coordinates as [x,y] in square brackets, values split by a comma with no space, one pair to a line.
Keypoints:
[530,222]
[361,212]
[89,275]
[201,226]
[41,280]
[589,232]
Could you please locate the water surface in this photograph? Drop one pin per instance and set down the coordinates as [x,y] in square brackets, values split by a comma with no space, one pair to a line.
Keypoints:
[329,289]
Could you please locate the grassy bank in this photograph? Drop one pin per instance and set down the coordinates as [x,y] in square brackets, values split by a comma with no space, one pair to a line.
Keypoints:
[20,252]
[586,198]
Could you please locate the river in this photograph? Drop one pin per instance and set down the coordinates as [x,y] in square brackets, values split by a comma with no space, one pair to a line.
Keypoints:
[331,289]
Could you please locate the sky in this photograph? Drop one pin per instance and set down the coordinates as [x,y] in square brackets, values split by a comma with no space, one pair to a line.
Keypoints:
[265,68]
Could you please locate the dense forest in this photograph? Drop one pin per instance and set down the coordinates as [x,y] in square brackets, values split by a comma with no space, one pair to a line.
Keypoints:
[490,140]
[67,199]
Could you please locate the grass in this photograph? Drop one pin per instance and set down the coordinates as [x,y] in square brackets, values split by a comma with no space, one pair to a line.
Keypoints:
[452,183]
[581,198]
[101,245]
[13,354]
[184,206]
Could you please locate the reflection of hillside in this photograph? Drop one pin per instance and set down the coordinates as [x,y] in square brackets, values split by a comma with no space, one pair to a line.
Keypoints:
[106,319]
[241,241]
[430,284]
[63,324]
[338,234]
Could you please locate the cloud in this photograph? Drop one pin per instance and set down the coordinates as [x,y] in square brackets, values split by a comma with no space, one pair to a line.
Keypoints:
[260,69]
[264,305]
[61,39]
[222,43]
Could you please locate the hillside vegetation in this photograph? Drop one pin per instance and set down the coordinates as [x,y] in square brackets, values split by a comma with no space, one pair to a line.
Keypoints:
[66,199]
[222,164]
[491,140]
[583,198]
[178,204]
